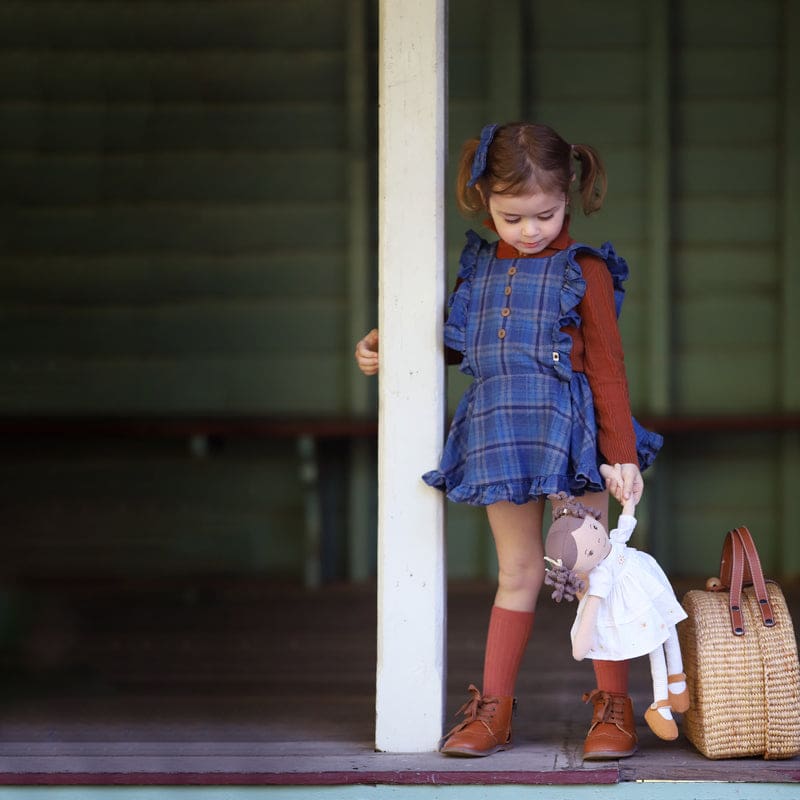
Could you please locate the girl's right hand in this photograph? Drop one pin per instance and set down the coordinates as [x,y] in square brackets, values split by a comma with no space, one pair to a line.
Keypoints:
[624,482]
[367,353]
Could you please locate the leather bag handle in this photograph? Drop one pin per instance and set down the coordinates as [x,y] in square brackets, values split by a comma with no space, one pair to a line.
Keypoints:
[740,566]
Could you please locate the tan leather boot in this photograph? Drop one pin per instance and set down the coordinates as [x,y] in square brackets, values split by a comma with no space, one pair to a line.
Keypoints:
[485,729]
[612,733]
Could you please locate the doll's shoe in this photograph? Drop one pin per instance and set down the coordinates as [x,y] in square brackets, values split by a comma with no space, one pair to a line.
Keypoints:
[485,729]
[612,733]
[663,728]
[680,700]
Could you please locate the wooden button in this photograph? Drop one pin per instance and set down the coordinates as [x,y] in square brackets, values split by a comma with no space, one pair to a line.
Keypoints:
[512,270]
[501,334]
[505,312]
[507,291]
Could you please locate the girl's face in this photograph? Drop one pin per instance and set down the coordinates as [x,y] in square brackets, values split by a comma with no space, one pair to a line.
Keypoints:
[593,545]
[528,222]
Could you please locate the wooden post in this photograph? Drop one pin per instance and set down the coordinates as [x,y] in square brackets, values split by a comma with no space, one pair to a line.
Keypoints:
[411,552]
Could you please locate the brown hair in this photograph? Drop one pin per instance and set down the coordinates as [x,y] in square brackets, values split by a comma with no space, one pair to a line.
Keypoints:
[527,157]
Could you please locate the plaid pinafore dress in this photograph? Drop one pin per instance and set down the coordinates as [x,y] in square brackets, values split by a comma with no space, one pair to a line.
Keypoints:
[525,427]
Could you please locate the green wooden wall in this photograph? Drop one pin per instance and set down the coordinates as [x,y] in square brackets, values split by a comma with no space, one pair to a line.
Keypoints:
[175,206]
[691,106]
[174,239]
[187,227]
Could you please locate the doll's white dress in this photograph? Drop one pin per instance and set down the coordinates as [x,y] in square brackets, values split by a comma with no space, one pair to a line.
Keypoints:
[638,607]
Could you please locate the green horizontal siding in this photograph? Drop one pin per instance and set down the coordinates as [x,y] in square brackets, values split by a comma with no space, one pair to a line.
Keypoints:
[135,25]
[189,330]
[210,76]
[153,279]
[168,386]
[175,178]
[45,125]
[193,229]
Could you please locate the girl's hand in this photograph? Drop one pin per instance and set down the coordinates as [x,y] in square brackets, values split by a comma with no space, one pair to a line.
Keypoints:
[625,483]
[367,353]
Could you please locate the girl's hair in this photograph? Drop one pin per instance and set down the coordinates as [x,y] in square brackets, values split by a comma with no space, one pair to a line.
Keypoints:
[527,157]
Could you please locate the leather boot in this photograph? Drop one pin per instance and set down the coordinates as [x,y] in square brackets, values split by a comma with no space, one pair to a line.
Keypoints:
[612,733]
[485,729]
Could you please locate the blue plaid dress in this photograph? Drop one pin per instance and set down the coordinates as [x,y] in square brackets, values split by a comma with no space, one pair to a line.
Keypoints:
[525,427]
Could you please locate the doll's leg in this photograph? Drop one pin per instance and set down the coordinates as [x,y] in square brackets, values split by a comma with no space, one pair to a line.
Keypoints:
[517,532]
[658,716]
[676,678]
[658,672]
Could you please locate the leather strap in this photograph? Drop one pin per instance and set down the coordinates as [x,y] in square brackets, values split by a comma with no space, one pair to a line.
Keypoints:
[741,566]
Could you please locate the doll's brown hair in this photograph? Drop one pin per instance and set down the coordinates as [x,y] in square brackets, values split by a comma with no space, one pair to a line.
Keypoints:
[560,546]
[527,157]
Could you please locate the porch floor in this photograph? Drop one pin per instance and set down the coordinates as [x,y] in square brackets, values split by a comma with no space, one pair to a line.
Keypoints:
[248,682]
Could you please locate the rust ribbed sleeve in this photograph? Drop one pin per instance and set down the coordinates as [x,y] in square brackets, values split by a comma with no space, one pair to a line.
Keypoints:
[597,351]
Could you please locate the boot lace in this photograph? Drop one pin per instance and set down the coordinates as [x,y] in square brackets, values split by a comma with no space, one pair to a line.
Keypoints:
[607,707]
[477,708]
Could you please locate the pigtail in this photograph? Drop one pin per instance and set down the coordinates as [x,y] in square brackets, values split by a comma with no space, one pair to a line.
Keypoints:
[593,182]
[567,585]
[468,197]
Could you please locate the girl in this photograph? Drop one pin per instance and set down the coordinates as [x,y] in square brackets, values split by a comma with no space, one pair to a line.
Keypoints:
[628,609]
[533,320]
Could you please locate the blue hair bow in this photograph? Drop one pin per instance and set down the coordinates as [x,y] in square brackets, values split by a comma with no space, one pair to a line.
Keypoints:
[479,162]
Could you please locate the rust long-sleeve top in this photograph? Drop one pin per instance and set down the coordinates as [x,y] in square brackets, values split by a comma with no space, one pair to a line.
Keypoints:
[596,351]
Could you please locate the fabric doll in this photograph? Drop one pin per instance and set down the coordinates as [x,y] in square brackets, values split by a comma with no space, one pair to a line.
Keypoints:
[627,606]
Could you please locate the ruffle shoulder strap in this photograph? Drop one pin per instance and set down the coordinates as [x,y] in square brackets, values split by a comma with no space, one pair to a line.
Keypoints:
[616,264]
[458,305]
[572,293]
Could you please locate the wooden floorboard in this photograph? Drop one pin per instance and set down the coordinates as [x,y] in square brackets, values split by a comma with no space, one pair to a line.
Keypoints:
[249,682]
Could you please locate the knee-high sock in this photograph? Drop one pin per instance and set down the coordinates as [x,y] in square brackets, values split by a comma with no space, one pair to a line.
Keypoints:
[611,676]
[505,645]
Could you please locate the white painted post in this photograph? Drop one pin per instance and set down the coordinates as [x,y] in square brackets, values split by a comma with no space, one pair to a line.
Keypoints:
[411,553]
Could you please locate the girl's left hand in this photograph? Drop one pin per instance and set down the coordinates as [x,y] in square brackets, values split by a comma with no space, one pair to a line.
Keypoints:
[624,482]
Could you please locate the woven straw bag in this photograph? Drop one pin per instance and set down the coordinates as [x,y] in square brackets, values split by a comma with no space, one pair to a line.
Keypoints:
[740,659]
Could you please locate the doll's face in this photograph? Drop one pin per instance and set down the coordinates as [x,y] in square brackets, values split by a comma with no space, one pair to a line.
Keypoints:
[593,544]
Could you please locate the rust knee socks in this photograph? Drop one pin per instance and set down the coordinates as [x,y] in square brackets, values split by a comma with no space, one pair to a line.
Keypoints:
[612,676]
[505,645]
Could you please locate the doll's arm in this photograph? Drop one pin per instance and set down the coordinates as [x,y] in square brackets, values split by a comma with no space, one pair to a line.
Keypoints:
[584,635]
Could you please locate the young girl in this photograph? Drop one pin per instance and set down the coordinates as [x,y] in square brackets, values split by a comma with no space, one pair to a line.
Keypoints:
[627,606]
[533,320]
